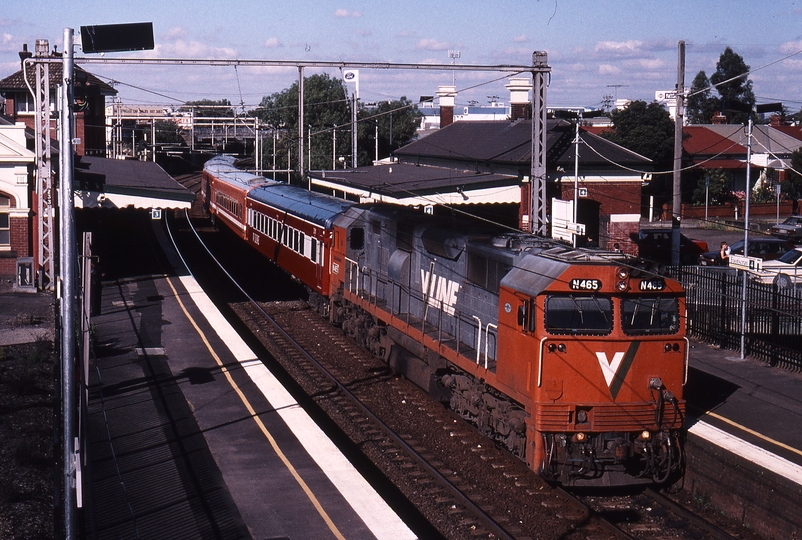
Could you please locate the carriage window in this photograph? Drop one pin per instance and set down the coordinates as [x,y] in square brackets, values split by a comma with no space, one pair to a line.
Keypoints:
[574,314]
[313,250]
[649,315]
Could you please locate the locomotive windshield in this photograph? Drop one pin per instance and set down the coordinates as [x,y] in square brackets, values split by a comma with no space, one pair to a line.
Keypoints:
[575,314]
[649,315]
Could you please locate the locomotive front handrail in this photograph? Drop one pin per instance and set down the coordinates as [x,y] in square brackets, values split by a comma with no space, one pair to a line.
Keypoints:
[540,362]
[487,339]
[687,359]
[478,340]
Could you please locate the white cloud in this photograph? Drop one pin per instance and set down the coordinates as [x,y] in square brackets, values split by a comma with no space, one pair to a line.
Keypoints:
[646,63]
[607,69]
[790,47]
[193,49]
[621,48]
[431,45]
[344,13]
[273,43]
[176,32]
[521,39]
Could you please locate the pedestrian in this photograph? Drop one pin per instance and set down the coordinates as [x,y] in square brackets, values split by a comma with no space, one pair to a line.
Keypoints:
[724,255]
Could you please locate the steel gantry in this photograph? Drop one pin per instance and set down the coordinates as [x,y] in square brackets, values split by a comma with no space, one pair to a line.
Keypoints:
[538,217]
[44,172]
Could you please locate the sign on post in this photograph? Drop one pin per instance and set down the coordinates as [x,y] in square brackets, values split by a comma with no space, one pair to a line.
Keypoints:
[750,264]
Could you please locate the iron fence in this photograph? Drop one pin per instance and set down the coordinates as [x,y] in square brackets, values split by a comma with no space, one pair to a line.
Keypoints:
[716,300]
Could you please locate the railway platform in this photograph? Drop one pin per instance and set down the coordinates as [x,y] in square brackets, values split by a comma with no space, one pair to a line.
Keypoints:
[191,436]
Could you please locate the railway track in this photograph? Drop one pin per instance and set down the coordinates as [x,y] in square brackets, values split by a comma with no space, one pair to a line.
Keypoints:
[464,485]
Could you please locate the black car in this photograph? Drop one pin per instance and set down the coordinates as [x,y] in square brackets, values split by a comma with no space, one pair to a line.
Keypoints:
[767,249]
[655,245]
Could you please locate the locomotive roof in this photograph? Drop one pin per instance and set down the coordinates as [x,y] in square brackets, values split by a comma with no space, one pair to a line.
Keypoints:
[224,167]
[314,207]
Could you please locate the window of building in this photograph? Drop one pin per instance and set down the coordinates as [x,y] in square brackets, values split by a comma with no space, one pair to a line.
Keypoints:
[5,229]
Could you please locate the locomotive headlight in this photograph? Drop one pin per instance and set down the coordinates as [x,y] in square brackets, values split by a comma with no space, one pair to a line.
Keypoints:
[622,273]
[561,347]
[579,437]
[667,347]
[621,286]
[645,435]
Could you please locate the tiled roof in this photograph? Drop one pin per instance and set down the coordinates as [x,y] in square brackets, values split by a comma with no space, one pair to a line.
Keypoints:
[93,84]
[508,144]
[400,180]
[700,140]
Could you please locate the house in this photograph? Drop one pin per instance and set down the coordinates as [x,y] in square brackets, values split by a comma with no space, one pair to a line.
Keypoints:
[488,163]
[90,100]
[16,163]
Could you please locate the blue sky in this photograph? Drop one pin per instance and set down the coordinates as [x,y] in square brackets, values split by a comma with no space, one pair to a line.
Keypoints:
[621,48]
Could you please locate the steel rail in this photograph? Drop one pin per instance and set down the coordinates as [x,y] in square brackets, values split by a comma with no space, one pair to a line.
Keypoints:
[487,521]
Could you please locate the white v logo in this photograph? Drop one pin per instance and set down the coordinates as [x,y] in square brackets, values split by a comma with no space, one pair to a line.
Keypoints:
[609,369]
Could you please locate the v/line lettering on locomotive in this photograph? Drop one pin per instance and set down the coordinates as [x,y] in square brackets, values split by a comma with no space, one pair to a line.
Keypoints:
[440,291]
[572,359]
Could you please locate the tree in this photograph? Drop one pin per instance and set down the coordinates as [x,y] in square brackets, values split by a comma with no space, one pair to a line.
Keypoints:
[167,132]
[646,129]
[702,105]
[717,183]
[733,86]
[398,122]
[208,108]
[326,105]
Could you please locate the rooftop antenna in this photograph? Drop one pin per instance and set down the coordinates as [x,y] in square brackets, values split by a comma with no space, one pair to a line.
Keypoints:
[617,86]
[453,54]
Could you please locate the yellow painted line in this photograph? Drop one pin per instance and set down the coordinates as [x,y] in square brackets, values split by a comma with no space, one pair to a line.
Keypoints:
[755,433]
[262,427]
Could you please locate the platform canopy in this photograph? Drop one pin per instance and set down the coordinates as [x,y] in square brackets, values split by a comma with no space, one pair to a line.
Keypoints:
[115,183]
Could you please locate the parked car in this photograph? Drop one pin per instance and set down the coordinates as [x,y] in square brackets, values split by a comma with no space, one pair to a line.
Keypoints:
[790,228]
[767,249]
[655,245]
[785,271]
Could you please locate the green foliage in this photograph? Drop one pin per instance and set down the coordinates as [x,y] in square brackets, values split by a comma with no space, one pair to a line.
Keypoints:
[646,129]
[401,116]
[718,184]
[168,132]
[702,105]
[209,108]
[733,86]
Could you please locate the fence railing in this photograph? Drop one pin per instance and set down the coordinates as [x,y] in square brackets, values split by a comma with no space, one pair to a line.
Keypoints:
[715,301]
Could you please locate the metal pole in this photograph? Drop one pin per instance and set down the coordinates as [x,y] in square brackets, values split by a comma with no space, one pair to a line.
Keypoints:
[67,263]
[676,205]
[354,100]
[576,177]
[300,123]
[748,194]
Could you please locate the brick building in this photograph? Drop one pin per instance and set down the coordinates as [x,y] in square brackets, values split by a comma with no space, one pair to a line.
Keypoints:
[16,164]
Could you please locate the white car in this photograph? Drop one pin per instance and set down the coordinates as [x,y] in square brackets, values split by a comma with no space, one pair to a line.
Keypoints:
[785,271]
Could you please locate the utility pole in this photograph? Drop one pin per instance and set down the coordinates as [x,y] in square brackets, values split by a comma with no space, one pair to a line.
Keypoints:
[538,214]
[67,275]
[676,205]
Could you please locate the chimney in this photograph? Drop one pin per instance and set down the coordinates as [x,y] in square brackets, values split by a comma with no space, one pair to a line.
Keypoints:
[520,106]
[777,120]
[446,95]
[718,118]
[42,48]
[24,54]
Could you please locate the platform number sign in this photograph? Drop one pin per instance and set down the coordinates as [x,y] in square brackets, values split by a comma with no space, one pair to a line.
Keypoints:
[155,213]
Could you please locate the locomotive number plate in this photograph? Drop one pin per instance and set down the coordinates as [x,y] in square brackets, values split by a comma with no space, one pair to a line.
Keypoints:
[585,284]
[652,285]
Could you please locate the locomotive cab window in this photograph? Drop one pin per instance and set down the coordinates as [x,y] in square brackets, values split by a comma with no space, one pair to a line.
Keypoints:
[578,314]
[356,238]
[649,315]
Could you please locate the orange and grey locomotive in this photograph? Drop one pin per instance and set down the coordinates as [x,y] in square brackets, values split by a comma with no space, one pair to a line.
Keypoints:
[572,359]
